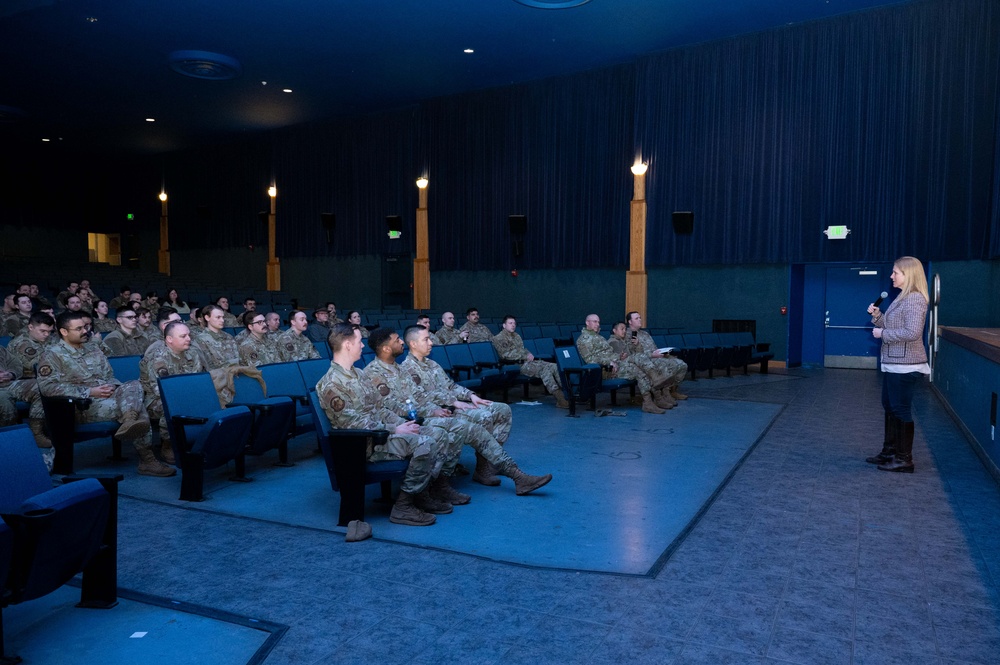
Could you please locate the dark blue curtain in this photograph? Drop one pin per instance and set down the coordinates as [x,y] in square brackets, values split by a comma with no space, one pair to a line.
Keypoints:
[883,121]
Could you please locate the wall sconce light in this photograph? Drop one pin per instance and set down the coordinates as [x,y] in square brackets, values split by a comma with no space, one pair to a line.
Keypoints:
[422,182]
[163,197]
[272,191]
[639,168]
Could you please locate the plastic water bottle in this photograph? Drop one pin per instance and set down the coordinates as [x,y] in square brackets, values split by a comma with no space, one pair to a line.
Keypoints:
[411,409]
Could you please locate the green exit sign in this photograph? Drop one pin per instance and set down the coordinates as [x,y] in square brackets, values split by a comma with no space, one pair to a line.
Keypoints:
[837,232]
[130,217]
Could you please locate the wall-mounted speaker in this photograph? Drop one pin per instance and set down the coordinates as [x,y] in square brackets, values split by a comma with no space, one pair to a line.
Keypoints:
[518,224]
[684,222]
[329,222]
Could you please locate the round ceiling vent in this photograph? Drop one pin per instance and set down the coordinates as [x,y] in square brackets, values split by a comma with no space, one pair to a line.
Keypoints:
[205,65]
[552,4]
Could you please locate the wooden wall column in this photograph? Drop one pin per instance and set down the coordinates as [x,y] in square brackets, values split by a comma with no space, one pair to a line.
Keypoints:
[273,264]
[164,254]
[635,279]
[421,264]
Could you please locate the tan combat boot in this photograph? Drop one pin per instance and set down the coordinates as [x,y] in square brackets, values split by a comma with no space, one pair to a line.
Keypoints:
[523,482]
[37,426]
[561,402]
[442,490]
[133,427]
[485,473]
[167,452]
[404,512]
[649,406]
[150,466]
[677,394]
[663,400]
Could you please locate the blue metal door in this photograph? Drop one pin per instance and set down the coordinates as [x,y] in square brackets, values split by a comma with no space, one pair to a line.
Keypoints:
[847,329]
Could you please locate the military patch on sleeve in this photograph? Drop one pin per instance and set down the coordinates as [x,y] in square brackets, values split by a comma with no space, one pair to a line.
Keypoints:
[253,356]
[383,389]
[162,371]
[290,346]
[44,370]
[29,351]
[416,378]
[337,404]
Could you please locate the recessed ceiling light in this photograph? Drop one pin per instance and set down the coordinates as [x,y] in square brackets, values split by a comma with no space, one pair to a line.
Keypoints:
[150,119]
[91,19]
[468,50]
[263,82]
[46,140]
[205,65]
[286,90]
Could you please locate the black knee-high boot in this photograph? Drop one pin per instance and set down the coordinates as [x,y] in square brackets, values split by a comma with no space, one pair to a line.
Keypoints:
[889,443]
[902,461]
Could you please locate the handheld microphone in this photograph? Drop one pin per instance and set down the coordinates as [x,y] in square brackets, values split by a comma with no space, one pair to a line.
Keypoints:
[882,296]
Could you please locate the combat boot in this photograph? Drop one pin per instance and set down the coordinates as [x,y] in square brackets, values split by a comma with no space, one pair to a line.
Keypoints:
[663,400]
[649,406]
[561,402]
[133,427]
[677,394]
[485,473]
[523,482]
[150,466]
[405,512]
[442,490]
[427,503]
[167,452]
[37,426]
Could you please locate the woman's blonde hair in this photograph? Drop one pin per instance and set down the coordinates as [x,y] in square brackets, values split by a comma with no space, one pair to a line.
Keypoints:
[914,278]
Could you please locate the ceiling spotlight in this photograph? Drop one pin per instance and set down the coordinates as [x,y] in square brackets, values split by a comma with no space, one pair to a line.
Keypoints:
[150,119]
[469,50]
[91,19]
[46,140]
[263,82]
[286,89]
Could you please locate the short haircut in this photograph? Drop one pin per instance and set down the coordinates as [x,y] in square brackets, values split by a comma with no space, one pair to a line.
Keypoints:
[207,310]
[68,317]
[165,313]
[125,287]
[122,310]
[150,294]
[18,296]
[142,310]
[619,323]
[508,316]
[171,326]
[628,317]
[318,310]
[251,299]
[41,318]
[339,334]
[411,332]
[379,337]
[471,310]
[248,320]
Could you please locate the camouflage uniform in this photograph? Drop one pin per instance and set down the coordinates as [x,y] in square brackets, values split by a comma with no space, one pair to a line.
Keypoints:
[673,367]
[218,349]
[432,388]
[122,344]
[350,402]
[19,358]
[15,323]
[477,332]
[447,335]
[393,387]
[161,361]
[296,347]
[254,352]
[8,410]
[229,320]
[510,348]
[595,349]
[117,303]
[104,325]
[67,371]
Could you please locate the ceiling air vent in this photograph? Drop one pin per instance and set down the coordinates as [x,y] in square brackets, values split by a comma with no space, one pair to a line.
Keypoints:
[205,65]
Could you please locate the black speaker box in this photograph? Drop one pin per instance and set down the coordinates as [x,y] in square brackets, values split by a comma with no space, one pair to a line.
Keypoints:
[518,225]
[684,222]
[329,220]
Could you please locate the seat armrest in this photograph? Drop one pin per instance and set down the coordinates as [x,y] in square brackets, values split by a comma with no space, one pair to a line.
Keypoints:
[81,403]
[189,420]
[379,435]
[301,399]
[263,408]
[763,346]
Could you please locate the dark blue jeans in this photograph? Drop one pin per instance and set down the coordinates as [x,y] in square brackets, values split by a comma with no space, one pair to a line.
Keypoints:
[897,394]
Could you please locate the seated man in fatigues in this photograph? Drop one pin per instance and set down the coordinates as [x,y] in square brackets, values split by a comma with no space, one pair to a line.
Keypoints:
[475,331]
[642,348]
[23,352]
[434,389]
[217,346]
[510,348]
[396,392]
[75,369]
[596,350]
[293,342]
[151,389]
[173,356]
[447,334]
[256,346]
[350,402]
[127,339]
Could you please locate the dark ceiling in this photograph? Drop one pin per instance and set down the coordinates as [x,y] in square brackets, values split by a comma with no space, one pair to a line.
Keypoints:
[86,74]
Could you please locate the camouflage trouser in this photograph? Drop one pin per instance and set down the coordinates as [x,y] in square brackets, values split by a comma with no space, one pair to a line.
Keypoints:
[127,398]
[495,418]
[420,449]
[464,431]
[26,390]
[547,372]
[629,369]
[675,368]
[8,412]
[154,408]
